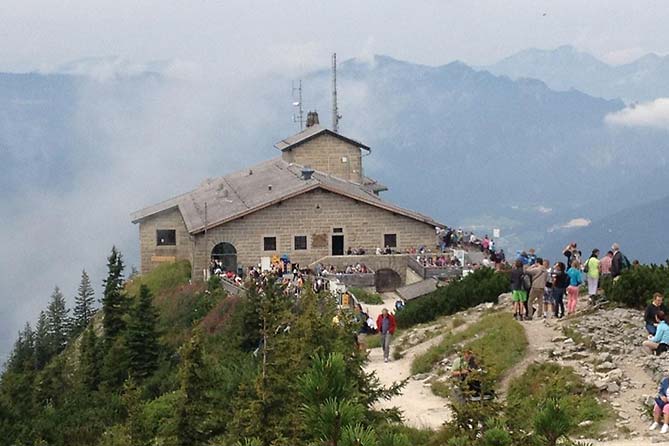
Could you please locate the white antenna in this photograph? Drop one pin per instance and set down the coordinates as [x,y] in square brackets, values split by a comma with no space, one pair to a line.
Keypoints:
[297,103]
[335,110]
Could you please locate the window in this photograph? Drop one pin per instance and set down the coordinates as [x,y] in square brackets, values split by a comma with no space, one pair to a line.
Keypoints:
[338,230]
[166,237]
[390,240]
[300,242]
[269,243]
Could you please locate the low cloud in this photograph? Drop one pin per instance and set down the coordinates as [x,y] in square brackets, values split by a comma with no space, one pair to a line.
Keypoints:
[654,114]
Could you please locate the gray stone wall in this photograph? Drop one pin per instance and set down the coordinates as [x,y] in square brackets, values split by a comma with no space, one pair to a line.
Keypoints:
[330,155]
[314,214]
[151,254]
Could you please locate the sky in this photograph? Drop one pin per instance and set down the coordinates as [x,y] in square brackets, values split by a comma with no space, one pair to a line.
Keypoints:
[232,38]
[136,149]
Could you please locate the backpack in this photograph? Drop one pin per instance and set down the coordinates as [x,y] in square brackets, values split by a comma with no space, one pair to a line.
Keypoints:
[526,282]
[624,262]
[586,266]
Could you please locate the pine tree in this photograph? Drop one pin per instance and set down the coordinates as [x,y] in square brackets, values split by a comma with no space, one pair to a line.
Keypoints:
[83,305]
[42,342]
[58,322]
[89,360]
[23,355]
[113,306]
[192,408]
[141,336]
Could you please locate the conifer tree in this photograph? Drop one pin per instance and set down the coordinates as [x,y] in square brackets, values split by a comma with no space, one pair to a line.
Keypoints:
[83,305]
[42,342]
[113,299]
[191,413]
[141,336]
[89,360]
[58,322]
[23,355]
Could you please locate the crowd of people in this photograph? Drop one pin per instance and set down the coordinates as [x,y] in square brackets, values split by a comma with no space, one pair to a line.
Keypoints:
[324,270]
[538,287]
[438,260]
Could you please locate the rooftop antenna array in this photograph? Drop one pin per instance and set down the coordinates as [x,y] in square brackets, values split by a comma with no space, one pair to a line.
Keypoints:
[298,114]
[335,109]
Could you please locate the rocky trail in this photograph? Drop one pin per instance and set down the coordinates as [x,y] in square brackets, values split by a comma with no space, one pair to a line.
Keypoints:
[601,346]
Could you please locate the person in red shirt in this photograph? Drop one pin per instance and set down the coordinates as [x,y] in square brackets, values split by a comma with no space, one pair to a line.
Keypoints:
[385,323]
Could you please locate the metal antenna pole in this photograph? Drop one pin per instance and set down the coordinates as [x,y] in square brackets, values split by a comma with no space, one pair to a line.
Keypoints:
[335,109]
[298,103]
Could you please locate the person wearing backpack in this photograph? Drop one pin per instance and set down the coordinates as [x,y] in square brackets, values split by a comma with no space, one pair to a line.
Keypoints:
[619,262]
[591,268]
[575,280]
[661,407]
[518,292]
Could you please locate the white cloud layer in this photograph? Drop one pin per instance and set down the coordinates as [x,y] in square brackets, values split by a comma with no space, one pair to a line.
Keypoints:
[653,114]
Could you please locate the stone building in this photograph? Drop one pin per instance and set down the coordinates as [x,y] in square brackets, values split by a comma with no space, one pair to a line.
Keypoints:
[313,201]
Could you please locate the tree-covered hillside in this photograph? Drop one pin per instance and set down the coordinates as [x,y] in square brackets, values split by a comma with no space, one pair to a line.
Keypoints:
[172,363]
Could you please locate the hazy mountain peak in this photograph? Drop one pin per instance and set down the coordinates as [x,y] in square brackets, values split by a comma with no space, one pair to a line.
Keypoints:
[566,68]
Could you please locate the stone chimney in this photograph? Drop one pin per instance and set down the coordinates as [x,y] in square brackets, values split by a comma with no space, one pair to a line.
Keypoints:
[312,119]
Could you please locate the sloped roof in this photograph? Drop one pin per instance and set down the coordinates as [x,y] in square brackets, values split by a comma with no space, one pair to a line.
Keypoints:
[418,289]
[310,133]
[241,193]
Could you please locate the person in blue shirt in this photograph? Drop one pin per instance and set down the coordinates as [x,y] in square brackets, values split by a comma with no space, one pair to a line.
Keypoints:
[661,334]
[575,280]
[661,407]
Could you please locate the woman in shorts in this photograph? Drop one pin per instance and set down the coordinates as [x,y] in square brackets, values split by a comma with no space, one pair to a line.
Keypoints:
[518,293]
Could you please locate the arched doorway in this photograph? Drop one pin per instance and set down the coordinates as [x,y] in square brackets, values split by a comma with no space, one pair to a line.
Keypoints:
[387,279]
[225,253]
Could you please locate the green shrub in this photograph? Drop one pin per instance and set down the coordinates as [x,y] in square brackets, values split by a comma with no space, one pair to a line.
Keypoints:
[366,297]
[635,287]
[483,285]
[530,392]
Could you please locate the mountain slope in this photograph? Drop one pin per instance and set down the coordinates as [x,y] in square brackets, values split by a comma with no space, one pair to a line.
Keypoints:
[466,146]
[641,231]
[566,68]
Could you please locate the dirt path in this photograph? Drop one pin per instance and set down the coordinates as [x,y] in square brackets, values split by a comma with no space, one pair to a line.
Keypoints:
[626,403]
[539,335]
[421,408]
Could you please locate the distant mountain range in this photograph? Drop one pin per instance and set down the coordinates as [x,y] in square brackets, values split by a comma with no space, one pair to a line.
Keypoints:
[567,68]
[641,231]
[469,147]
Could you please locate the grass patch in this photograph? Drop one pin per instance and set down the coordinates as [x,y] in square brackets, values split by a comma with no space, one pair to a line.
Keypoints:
[549,380]
[163,277]
[497,340]
[366,297]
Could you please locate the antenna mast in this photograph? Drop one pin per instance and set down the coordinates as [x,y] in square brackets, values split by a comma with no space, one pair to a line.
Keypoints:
[335,109]
[297,102]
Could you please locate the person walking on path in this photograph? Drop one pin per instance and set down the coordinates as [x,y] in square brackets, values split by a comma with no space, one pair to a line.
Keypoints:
[575,280]
[592,268]
[386,326]
[539,276]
